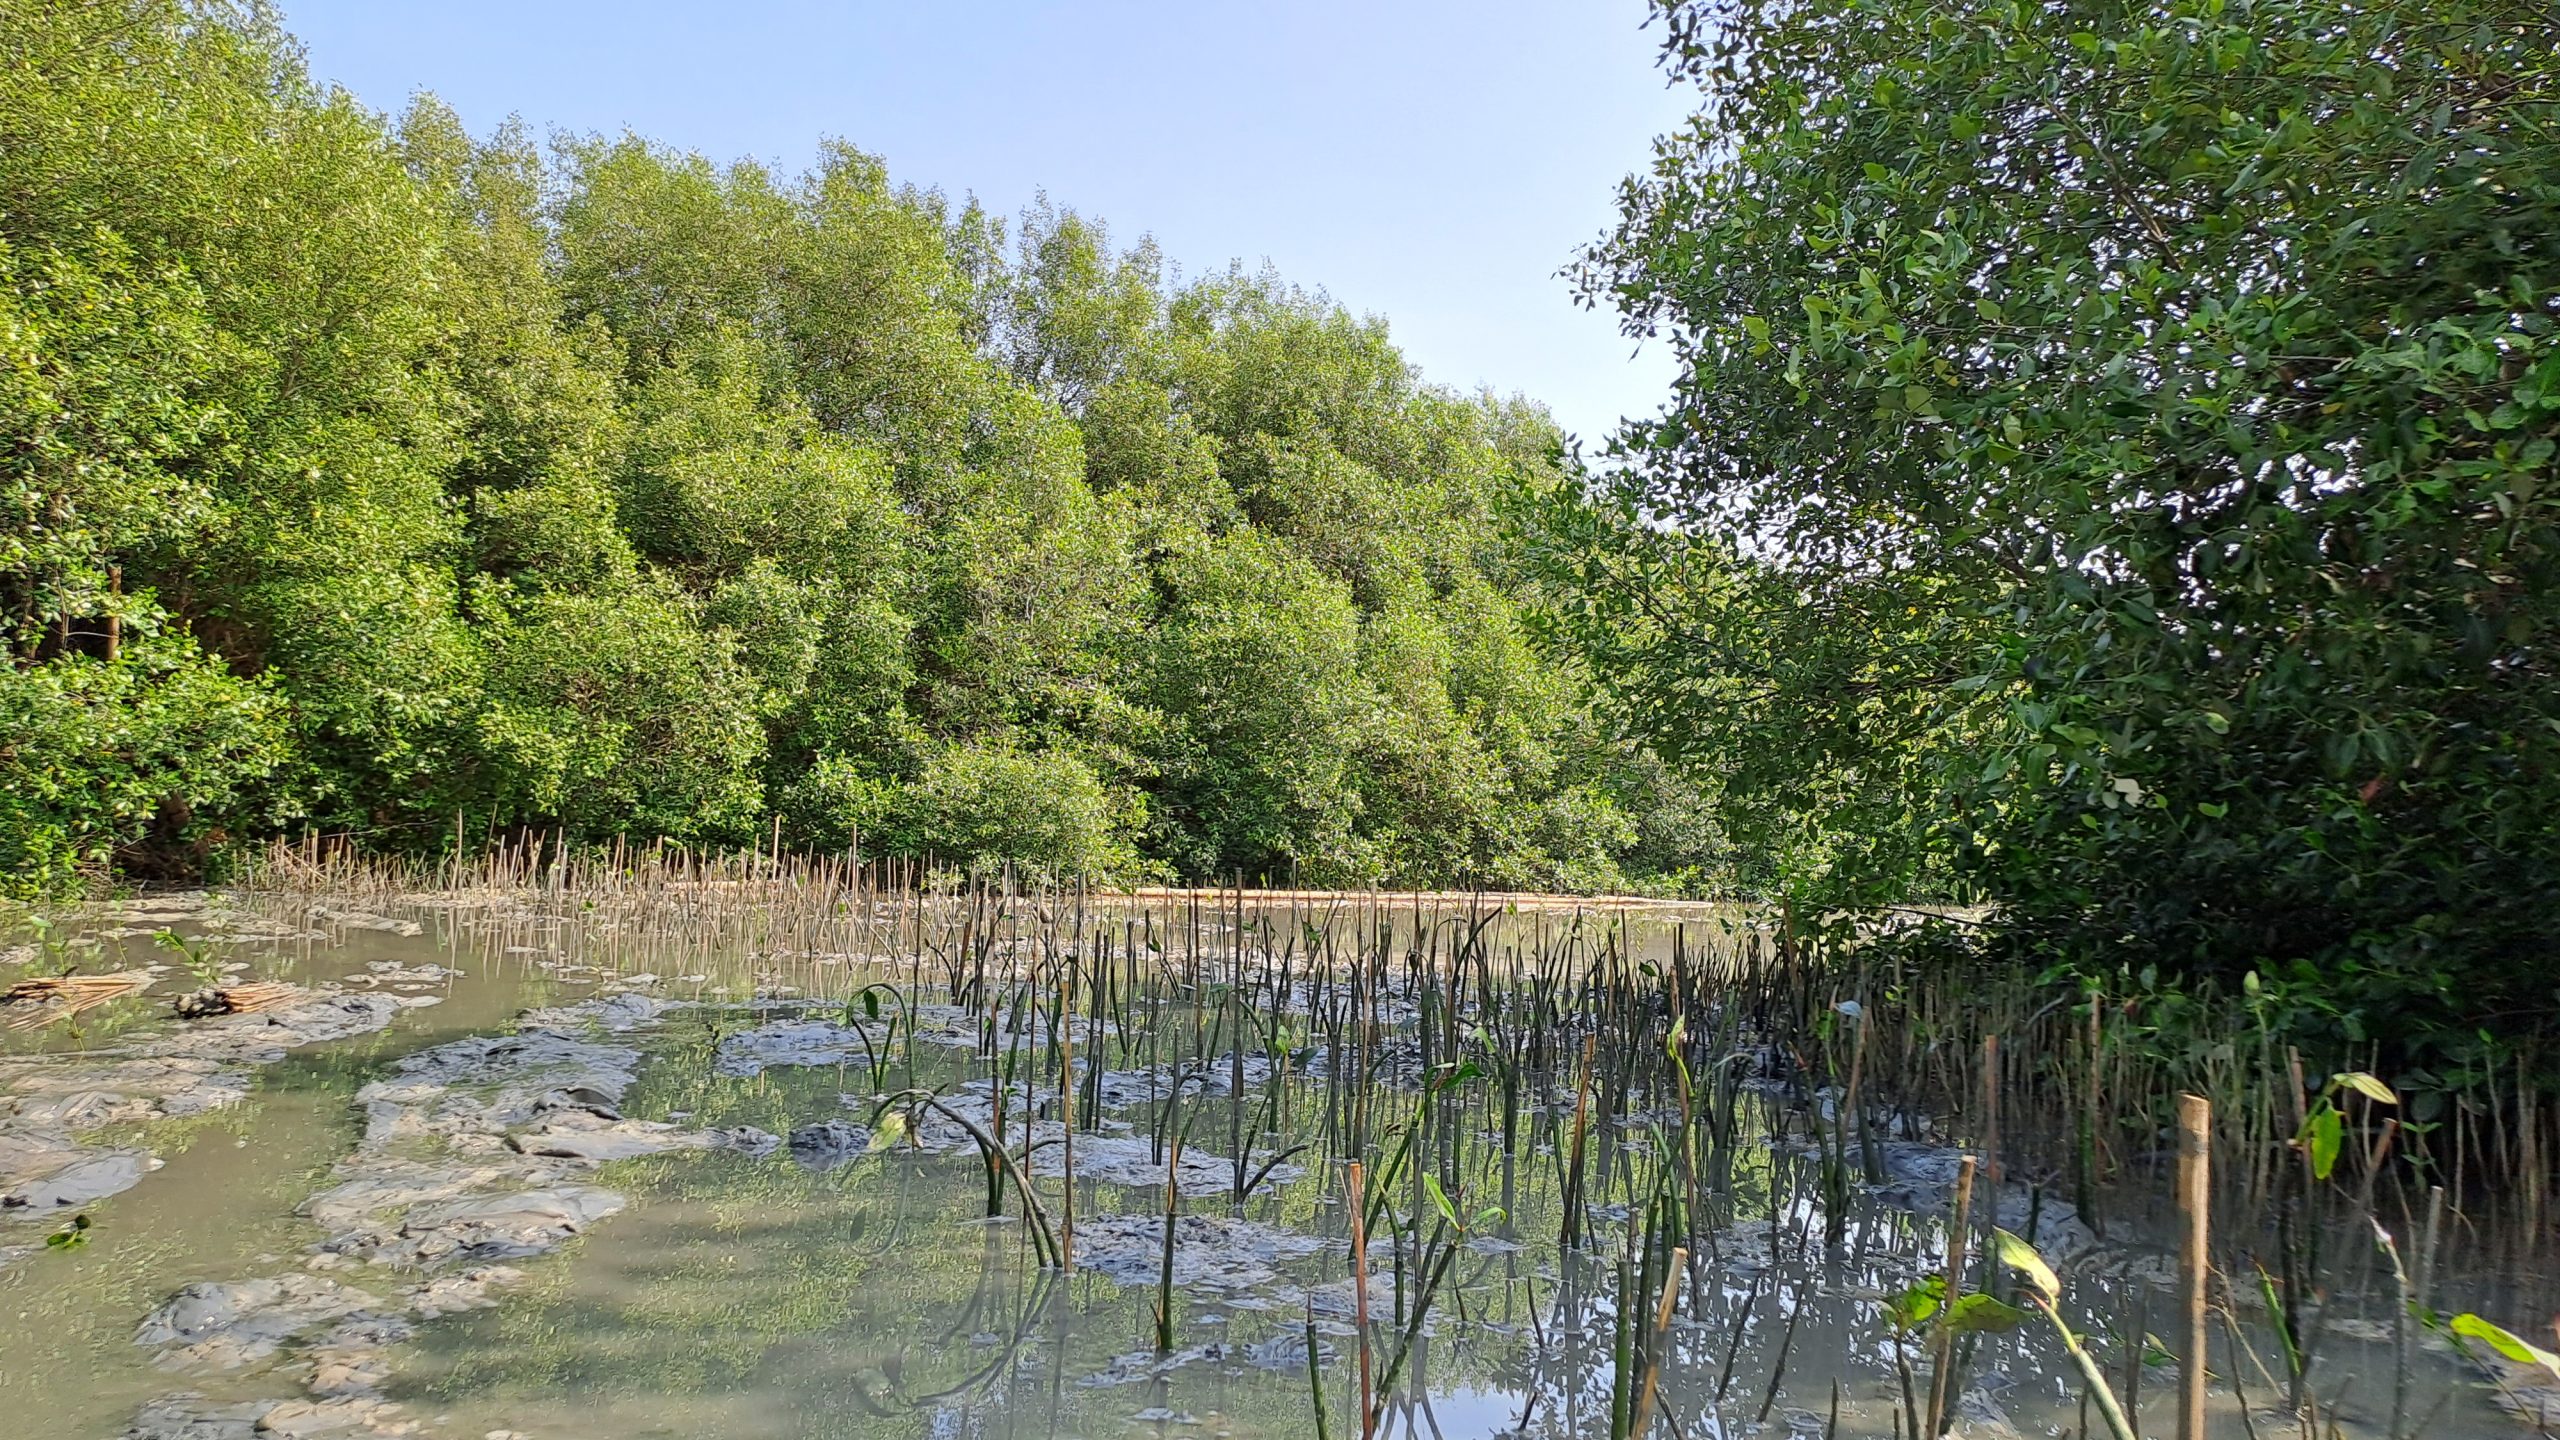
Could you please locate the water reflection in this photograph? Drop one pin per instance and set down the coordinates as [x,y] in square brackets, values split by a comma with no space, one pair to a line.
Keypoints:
[746,1296]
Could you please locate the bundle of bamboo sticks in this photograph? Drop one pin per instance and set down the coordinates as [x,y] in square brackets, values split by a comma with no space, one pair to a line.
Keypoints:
[49,998]
[242,999]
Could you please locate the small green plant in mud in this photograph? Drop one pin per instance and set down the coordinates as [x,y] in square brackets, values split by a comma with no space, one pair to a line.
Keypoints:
[198,957]
[864,1008]
[2468,1327]
[2460,1331]
[1000,1166]
[1921,1312]
[2319,1141]
[2044,1291]
[2322,1134]
[58,953]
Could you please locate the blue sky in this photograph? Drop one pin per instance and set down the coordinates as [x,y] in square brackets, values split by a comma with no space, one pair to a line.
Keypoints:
[1430,161]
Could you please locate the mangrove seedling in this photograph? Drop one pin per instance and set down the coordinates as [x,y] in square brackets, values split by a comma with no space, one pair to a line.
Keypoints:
[2044,1290]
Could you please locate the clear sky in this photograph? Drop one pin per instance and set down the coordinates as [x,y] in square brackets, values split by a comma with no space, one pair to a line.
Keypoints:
[1431,161]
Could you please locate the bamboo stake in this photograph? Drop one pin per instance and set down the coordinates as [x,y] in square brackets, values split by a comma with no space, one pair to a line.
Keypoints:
[1942,1365]
[1360,1298]
[2195,1201]
[1067,1120]
[1661,1322]
[1581,1121]
[1164,1282]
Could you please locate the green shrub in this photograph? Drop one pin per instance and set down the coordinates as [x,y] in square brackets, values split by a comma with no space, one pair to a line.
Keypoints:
[153,759]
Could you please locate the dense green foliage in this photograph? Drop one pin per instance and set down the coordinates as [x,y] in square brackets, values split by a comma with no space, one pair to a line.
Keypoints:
[2114,478]
[372,478]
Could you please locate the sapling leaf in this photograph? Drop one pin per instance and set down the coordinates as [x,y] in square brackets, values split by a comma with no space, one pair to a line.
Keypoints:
[891,1129]
[2365,1085]
[1912,1308]
[2505,1342]
[2020,1256]
[1458,1075]
[1440,1200]
[2324,1133]
[1981,1314]
[2284,1332]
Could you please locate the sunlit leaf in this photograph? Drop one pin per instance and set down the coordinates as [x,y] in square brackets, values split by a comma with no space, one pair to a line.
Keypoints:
[1440,1200]
[1911,1309]
[1979,1313]
[2020,1256]
[892,1129]
[2505,1342]
[2324,1133]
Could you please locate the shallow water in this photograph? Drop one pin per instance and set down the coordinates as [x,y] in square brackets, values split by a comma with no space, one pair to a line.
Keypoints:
[785,1295]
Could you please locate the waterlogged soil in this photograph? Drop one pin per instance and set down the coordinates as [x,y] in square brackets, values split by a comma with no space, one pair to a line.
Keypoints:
[474,1180]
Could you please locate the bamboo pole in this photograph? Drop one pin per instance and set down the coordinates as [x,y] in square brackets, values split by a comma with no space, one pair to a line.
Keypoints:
[1671,1279]
[1067,1119]
[1164,1282]
[1942,1364]
[1360,1297]
[2195,1202]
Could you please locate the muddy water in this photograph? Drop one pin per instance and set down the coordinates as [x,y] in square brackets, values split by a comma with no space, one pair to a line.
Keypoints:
[811,1289]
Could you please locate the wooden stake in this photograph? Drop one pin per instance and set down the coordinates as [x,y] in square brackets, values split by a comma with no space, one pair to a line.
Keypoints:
[1581,1122]
[2195,1203]
[1164,1282]
[1360,1297]
[1067,1118]
[1661,1322]
[1943,1363]
[1991,1108]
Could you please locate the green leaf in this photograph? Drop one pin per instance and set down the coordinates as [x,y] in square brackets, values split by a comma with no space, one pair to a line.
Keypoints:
[2324,1133]
[1440,1201]
[2365,1085]
[1978,1314]
[2505,1342]
[1456,1075]
[2020,1256]
[891,1130]
[1912,1308]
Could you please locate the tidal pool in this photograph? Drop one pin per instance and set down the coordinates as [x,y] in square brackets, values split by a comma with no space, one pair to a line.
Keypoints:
[523,1165]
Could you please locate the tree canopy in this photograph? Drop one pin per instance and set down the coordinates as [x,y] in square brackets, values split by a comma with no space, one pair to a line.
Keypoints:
[2113,478]
[368,476]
